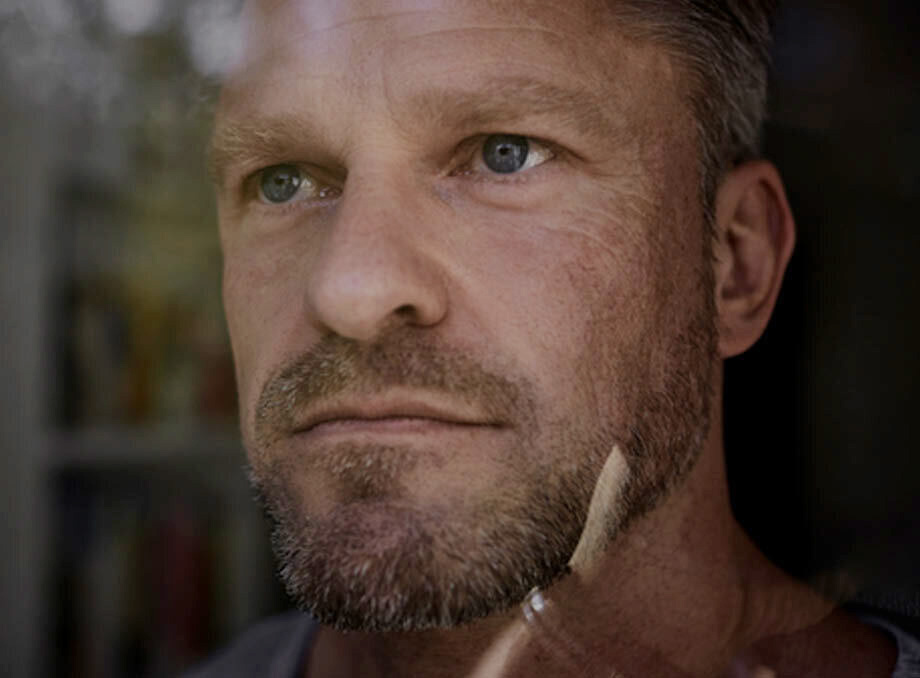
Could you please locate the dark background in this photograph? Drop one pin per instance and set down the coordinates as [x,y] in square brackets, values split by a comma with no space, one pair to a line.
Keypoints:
[131,543]
[822,415]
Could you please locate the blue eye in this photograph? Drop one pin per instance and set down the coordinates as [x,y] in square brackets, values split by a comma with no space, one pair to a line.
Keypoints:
[280,183]
[505,153]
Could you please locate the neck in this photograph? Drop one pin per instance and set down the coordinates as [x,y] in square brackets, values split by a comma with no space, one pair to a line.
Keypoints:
[681,593]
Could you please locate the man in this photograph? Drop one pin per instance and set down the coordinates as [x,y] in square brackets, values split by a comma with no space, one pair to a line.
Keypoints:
[483,262]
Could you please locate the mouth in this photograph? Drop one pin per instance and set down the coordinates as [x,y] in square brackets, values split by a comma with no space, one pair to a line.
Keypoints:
[392,414]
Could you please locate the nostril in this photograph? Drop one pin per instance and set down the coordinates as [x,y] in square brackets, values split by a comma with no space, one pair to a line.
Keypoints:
[406,310]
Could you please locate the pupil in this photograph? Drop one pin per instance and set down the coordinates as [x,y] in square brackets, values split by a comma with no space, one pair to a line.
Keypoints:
[280,183]
[505,153]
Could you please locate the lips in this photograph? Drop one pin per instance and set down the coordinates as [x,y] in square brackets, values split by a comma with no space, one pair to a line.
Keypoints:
[393,411]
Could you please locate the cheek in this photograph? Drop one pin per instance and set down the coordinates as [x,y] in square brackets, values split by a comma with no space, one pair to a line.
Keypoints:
[244,318]
[263,300]
[621,279]
[554,288]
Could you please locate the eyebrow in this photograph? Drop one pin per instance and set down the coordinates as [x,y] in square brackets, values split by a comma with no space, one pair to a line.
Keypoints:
[495,105]
[255,138]
[512,99]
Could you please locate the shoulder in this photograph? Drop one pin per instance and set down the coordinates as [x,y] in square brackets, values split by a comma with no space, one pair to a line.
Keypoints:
[903,629]
[273,648]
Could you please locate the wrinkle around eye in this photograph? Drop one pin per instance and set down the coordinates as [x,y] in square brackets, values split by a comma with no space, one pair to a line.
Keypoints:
[533,188]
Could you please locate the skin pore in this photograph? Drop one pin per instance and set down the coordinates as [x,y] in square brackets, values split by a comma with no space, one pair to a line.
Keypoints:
[436,362]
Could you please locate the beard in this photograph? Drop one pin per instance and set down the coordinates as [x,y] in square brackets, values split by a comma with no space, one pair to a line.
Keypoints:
[379,560]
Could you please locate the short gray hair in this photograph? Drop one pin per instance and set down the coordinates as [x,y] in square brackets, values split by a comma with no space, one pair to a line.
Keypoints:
[723,47]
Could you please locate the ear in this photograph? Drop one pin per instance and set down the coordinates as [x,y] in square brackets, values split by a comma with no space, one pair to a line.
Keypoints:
[755,234]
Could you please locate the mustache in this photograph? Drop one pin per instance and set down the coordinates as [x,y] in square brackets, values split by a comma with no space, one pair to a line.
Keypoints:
[337,367]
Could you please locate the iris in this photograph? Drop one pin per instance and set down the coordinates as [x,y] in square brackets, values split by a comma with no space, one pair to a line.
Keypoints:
[280,183]
[505,153]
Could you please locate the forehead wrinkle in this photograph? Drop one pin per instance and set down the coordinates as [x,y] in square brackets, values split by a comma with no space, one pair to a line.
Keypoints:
[266,44]
[318,19]
[357,21]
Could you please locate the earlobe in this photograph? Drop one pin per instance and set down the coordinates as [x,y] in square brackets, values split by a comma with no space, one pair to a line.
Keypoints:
[755,234]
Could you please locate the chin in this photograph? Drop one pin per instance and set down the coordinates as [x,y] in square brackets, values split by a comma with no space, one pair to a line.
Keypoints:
[394,563]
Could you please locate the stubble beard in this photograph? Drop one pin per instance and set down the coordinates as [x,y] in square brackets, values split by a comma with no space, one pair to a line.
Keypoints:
[378,562]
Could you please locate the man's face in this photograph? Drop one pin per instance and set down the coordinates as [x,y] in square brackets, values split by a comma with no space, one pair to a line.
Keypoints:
[479,267]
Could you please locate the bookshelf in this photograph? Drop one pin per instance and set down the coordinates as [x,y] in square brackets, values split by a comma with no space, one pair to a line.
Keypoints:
[135,547]
[124,447]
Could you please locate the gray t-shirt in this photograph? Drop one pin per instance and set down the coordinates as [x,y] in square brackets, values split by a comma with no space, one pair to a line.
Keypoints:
[278,648]
[908,641]
[275,648]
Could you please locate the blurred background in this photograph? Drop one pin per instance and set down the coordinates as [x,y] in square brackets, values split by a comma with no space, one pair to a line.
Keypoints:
[131,544]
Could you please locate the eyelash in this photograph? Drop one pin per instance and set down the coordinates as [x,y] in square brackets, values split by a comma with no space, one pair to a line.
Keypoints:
[254,195]
[472,148]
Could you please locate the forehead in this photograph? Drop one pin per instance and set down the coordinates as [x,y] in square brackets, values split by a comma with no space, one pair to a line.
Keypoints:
[371,50]
[272,21]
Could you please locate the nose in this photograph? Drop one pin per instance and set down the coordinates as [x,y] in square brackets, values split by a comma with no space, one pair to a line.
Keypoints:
[375,267]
